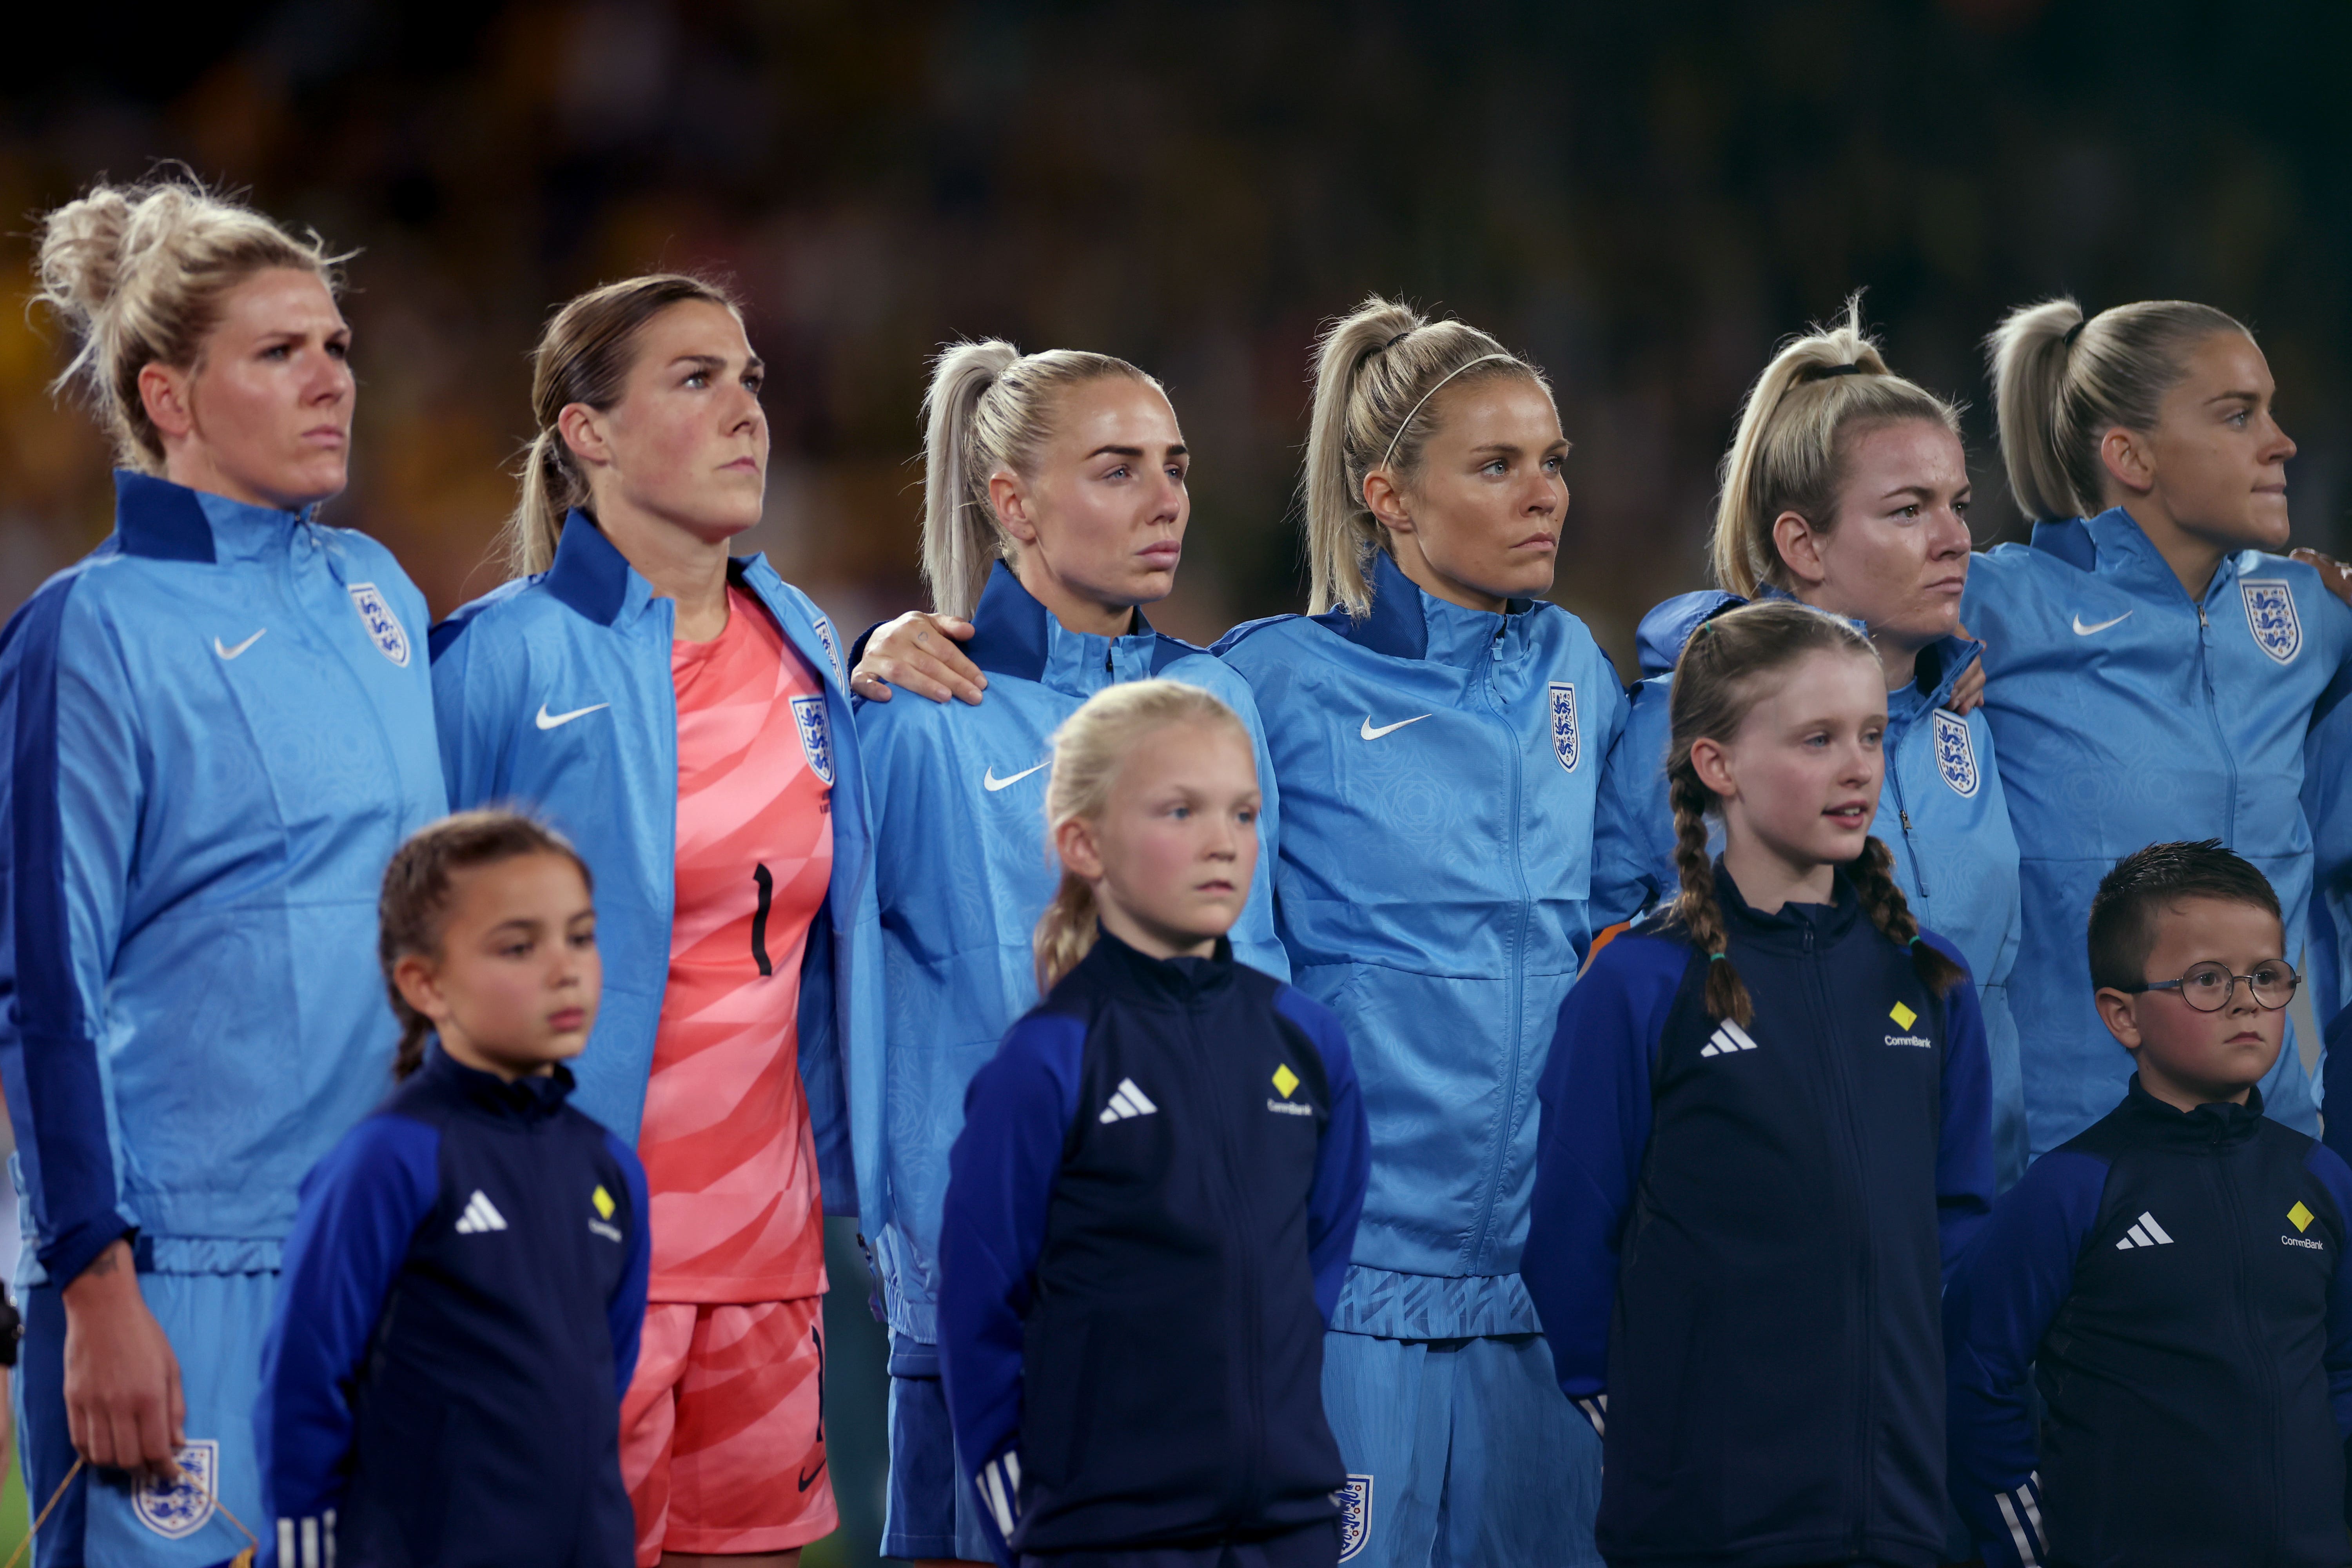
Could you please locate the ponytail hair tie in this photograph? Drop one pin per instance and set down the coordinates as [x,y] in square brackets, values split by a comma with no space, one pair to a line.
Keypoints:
[1718,958]
[2075,332]
[1842,370]
[1914,942]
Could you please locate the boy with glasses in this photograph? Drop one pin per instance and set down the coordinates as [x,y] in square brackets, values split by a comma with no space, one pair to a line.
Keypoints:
[2173,1279]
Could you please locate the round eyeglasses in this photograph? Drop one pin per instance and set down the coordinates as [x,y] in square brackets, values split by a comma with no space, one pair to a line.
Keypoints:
[2208,987]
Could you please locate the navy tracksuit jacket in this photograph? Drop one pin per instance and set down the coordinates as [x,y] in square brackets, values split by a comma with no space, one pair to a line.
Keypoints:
[1738,1236]
[463,1294]
[2175,1283]
[1148,1218]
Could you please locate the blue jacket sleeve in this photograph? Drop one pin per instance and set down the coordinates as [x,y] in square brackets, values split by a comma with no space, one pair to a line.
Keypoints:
[1632,829]
[359,1210]
[1595,1094]
[75,791]
[1343,1161]
[2015,1276]
[1000,1176]
[626,1312]
[1964,1155]
[474,699]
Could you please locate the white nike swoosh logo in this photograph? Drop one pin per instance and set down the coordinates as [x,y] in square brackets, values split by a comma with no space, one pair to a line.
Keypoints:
[1369,733]
[995,784]
[2083,631]
[233,652]
[550,721]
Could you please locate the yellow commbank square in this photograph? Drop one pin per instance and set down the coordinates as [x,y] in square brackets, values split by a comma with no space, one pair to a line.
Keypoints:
[1904,1018]
[603,1200]
[2302,1216]
[1284,1080]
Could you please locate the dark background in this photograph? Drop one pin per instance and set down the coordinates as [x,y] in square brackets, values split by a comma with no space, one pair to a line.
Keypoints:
[1644,197]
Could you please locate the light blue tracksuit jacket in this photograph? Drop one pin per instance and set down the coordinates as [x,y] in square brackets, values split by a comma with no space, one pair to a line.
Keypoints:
[220,728]
[554,692]
[962,875]
[1440,769]
[1941,811]
[2126,714]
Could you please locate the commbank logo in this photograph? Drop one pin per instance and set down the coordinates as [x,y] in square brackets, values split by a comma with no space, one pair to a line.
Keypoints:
[1904,1018]
[1726,1040]
[2145,1232]
[1127,1100]
[482,1215]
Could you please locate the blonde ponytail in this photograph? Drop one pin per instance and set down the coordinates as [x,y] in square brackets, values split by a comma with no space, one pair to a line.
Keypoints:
[139,273]
[1089,750]
[1819,391]
[584,355]
[989,409]
[2059,383]
[1377,374]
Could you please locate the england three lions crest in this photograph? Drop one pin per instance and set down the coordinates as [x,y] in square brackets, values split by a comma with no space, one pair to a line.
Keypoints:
[2270,615]
[177,1509]
[816,735]
[1355,1500]
[1563,723]
[383,628]
[1956,754]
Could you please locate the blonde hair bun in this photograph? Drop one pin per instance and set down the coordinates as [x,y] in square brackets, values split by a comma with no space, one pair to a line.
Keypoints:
[138,273]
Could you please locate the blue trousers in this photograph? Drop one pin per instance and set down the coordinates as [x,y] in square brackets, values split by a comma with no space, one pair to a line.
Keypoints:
[215,1324]
[1460,1453]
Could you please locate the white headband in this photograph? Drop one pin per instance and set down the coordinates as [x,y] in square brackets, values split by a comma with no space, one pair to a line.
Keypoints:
[1433,391]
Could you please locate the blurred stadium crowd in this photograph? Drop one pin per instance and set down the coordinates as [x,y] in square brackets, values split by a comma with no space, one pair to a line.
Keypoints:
[1643,197]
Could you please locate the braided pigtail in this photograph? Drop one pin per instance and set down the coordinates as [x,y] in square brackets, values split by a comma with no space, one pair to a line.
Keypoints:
[1727,995]
[1872,872]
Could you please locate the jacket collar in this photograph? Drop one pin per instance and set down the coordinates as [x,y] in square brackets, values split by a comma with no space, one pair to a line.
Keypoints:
[2112,545]
[1406,622]
[159,520]
[1180,980]
[1787,927]
[525,1099]
[2216,1127]
[1014,635]
[592,576]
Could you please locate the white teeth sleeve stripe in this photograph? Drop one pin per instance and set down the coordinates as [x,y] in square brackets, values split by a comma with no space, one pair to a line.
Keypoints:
[285,1541]
[2155,1229]
[1012,1463]
[310,1543]
[1596,1410]
[2019,1534]
[2029,1495]
[330,1532]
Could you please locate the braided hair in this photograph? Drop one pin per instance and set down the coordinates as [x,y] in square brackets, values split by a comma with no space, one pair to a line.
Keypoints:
[1723,670]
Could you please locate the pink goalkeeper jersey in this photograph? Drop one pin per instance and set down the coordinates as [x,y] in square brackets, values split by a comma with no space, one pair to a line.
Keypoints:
[729,1156]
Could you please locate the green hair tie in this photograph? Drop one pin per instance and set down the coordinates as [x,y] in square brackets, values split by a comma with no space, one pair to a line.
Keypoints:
[1718,958]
